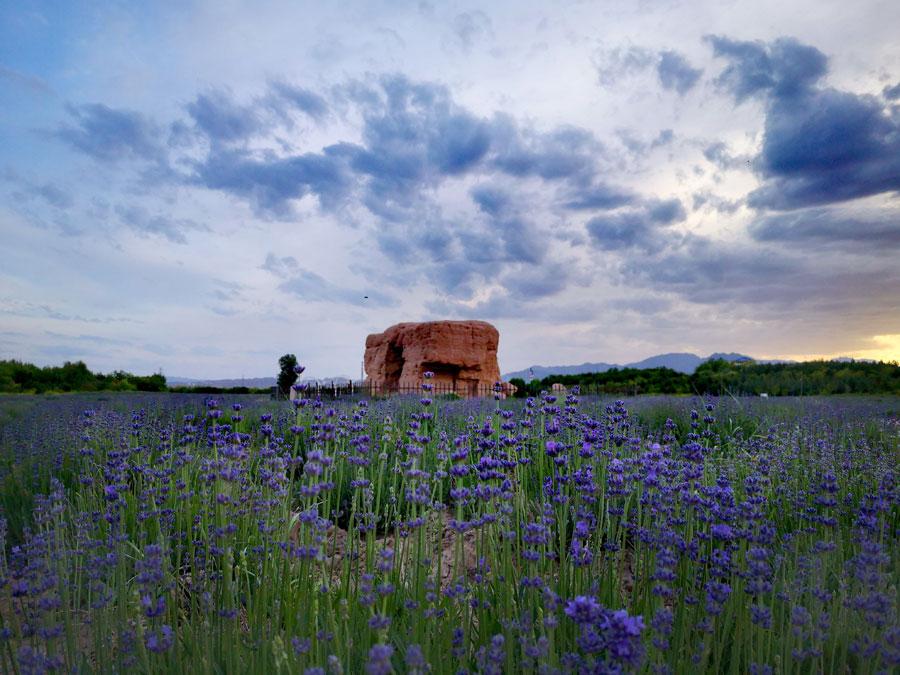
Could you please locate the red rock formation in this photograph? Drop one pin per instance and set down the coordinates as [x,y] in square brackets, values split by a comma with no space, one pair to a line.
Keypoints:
[461,354]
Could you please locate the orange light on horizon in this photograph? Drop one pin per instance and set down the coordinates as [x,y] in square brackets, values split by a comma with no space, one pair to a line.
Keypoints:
[886,348]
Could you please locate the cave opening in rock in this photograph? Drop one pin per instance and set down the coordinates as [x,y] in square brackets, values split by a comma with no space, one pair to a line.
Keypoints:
[393,367]
[445,375]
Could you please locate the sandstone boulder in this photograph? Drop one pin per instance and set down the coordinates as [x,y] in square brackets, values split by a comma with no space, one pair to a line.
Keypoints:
[461,354]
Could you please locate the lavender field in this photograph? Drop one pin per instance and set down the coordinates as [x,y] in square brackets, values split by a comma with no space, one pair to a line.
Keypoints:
[181,534]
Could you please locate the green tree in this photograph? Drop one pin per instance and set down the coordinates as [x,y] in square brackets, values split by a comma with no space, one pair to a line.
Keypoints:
[521,387]
[288,375]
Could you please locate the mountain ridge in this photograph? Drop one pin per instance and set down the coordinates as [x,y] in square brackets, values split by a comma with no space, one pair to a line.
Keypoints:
[683,362]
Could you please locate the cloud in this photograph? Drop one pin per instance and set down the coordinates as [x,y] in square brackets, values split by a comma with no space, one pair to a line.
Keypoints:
[16,307]
[468,27]
[27,81]
[784,67]
[891,93]
[109,134]
[638,228]
[506,224]
[312,287]
[137,218]
[530,283]
[599,196]
[820,145]
[414,131]
[270,184]
[614,64]
[666,211]
[414,142]
[673,70]
[639,147]
[413,138]
[675,73]
[284,97]
[873,234]
[710,272]
[719,154]
[566,152]
[53,195]
[716,202]
[280,266]
[222,120]
[50,193]
[831,146]
[490,200]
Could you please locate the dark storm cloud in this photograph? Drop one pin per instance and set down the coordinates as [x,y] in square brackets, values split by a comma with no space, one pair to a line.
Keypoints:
[641,228]
[785,67]
[108,134]
[830,146]
[675,72]
[820,145]
[873,235]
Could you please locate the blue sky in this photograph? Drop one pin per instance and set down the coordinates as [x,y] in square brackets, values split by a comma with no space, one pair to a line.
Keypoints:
[202,187]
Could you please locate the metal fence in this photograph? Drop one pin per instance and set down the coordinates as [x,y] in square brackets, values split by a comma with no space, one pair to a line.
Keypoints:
[372,390]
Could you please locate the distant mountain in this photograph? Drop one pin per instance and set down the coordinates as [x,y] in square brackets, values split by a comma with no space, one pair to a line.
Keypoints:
[540,372]
[679,361]
[682,362]
[730,356]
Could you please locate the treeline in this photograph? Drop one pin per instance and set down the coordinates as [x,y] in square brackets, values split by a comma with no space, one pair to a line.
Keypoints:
[205,389]
[19,377]
[742,378]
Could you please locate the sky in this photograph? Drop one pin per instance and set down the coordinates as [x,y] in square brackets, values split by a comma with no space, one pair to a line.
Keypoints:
[198,188]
